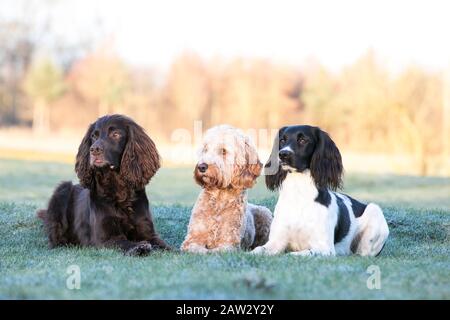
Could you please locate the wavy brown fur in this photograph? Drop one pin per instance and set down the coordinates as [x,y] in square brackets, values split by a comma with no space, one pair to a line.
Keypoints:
[109,208]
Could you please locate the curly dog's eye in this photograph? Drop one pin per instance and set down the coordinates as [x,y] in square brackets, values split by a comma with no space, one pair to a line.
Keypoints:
[223,151]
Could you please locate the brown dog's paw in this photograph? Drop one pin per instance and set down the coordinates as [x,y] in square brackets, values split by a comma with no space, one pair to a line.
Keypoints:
[159,244]
[163,248]
[141,249]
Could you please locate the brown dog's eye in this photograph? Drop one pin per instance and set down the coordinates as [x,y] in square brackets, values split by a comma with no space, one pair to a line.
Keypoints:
[94,135]
[115,135]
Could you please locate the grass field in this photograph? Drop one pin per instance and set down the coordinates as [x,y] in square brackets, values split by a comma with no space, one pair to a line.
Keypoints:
[414,264]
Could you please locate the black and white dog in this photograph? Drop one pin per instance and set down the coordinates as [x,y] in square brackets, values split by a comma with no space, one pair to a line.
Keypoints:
[310,218]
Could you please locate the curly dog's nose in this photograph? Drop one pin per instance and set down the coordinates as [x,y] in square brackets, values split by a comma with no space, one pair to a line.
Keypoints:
[202,167]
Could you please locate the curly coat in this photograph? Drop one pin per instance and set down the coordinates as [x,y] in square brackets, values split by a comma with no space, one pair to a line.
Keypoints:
[222,219]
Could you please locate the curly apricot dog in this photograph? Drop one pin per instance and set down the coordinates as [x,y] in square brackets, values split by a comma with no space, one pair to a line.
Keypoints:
[221,219]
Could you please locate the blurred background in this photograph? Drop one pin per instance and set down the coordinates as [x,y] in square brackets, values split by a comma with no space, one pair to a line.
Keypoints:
[375,75]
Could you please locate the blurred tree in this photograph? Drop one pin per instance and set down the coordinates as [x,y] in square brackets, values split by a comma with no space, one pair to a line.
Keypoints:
[44,84]
[362,100]
[353,100]
[16,50]
[142,99]
[259,94]
[417,100]
[101,78]
[318,95]
[188,91]
[27,28]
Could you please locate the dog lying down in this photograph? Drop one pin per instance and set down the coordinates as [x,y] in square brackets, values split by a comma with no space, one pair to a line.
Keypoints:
[311,218]
[221,219]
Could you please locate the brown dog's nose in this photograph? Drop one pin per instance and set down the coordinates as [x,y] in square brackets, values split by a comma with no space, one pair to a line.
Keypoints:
[96,148]
[202,167]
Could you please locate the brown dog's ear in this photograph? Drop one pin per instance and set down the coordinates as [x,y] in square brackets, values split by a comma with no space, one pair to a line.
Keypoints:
[82,167]
[246,174]
[326,163]
[140,159]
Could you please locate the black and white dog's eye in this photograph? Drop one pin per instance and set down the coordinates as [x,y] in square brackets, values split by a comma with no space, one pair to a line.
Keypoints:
[282,141]
[302,140]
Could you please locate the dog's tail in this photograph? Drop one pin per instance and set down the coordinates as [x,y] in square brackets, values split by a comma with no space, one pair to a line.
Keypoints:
[263,219]
[56,217]
[41,214]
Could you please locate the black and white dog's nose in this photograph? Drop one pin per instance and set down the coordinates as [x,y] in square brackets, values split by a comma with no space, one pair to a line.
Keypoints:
[285,155]
[202,167]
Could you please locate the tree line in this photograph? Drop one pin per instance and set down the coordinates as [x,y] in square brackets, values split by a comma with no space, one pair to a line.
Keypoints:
[364,106]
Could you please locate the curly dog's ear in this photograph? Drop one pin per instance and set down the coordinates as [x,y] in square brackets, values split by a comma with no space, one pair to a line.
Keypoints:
[246,174]
[140,159]
[82,167]
[274,176]
[326,162]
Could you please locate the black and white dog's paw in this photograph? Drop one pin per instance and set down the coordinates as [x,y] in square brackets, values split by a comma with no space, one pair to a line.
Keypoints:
[259,250]
[141,249]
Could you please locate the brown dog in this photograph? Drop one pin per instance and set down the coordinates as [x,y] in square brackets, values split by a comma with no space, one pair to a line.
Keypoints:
[109,208]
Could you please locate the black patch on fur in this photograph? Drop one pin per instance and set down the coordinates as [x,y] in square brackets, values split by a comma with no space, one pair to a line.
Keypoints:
[323,197]
[343,221]
[274,181]
[326,162]
[357,207]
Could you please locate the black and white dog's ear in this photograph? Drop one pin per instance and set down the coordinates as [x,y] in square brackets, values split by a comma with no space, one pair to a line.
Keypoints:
[274,176]
[326,162]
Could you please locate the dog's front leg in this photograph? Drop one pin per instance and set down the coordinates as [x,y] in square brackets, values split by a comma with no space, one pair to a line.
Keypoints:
[272,247]
[315,251]
[225,248]
[277,241]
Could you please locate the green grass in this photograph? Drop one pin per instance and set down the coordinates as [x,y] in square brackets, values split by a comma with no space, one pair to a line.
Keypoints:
[414,264]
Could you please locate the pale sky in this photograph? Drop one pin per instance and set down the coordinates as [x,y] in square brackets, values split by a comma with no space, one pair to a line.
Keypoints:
[152,33]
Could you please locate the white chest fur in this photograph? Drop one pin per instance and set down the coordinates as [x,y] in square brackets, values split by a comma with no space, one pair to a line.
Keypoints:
[298,218]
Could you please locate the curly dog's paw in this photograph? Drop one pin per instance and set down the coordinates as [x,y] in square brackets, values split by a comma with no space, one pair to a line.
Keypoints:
[141,249]
[224,248]
[195,248]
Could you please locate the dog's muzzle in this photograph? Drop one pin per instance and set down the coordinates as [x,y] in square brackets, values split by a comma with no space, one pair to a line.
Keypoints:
[285,156]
